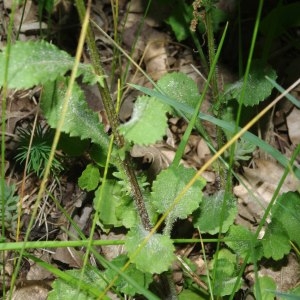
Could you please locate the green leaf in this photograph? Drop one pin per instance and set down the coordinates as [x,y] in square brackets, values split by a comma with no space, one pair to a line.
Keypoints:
[80,120]
[127,214]
[265,288]
[116,208]
[240,240]
[188,294]
[181,87]
[282,17]
[287,210]
[121,284]
[257,88]
[179,20]
[219,17]
[72,146]
[148,122]
[168,184]
[97,154]
[89,178]
[182,14]
[71,290]
[243,150]
[214,211]
[225,269]
[275,241]
[10,202]
[108,202]
[156,256]
[36,62]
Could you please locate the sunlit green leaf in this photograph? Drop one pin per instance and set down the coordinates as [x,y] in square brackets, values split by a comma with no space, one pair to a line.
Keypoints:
[215,210]
[275,241]
[225,270]
[122,285]
[36,62]
[181,87]
[111,194]
[89,178]
[80,120]
[148,122]
[168,184]
[286,212]
[71,290]
[155,256]
[264,288]
[242,242]
[256,89]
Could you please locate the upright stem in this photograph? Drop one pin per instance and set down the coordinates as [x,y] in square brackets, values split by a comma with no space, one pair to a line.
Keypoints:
[214,87]
[137,194]
[125,164]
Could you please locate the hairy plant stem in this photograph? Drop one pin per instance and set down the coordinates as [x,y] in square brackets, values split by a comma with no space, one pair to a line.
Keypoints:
[215,91]
[112,116]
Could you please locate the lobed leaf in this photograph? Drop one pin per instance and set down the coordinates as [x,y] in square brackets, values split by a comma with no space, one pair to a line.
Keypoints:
[256,89]
[112,197]
[121,284]
[126,211]
[154,257]
[225,270]
[168,184]
[265,288]
[69,290]
[241,241]
[286,215]
[36,62]
[80,120]
[148,122]
[9,207]
[214,211]
[276,241]
[181,87]
[89,178]
[287,210]
[127,214]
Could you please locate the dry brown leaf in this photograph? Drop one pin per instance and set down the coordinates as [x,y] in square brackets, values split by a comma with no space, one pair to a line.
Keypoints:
[140,33]
[112,251]
[19,106]
[285,273]
[293,125]
[156,14]
[27,16]
[32,291]
[81,221]
[37,272]
[156,56]
[159,157]
[260,183]
[203,150]
[69,256]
